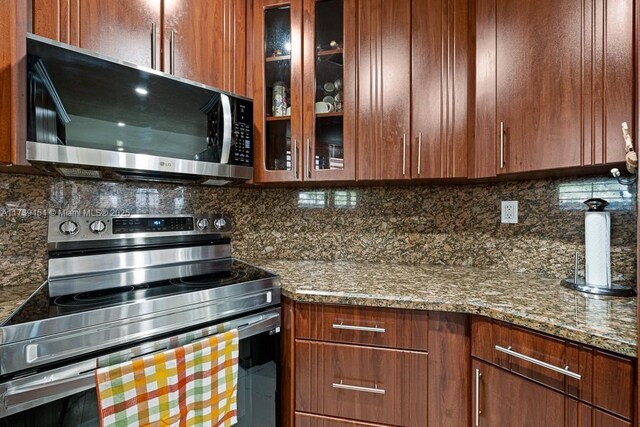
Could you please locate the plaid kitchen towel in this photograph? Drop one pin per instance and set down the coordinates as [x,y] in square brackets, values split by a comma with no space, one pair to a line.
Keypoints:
[193,385]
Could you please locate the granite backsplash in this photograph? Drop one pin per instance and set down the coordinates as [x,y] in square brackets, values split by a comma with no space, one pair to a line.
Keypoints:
[456,225]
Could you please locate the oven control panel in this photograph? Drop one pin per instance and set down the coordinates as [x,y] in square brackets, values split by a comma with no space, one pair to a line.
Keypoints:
[157,224]
[139,227]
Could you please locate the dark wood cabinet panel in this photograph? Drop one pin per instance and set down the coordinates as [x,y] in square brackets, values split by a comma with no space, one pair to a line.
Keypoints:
[383,327]
[369,384]
[209,37]
[613,383]
[439,88]
[395,89]
[606,380]
[384,97]
[539,111]
[119,28]
[309,420]
[538,93]
[505,399]
[13,27]
[208,42]
[46,18]
[449,365]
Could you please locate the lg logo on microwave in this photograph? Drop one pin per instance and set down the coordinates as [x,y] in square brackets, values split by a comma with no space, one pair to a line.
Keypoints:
[165,164]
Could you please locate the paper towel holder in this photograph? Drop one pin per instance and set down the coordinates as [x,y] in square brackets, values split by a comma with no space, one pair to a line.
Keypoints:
[579,284]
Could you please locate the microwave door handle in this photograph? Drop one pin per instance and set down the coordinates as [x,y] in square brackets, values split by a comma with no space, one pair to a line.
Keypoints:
[226,128]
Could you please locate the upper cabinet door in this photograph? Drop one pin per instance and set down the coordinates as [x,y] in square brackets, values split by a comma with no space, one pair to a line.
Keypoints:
[439,88]
[200,41]
[277,85]
[329,93]
[384,97]
[553,84]
[128,30]
[539,57]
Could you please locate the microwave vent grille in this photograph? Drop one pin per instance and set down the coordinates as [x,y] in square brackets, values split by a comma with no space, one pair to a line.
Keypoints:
[79,173]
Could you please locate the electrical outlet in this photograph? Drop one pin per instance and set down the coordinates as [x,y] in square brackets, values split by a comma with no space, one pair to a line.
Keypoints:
[509,212]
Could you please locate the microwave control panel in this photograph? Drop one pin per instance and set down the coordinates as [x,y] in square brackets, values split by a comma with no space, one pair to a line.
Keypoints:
[242,138]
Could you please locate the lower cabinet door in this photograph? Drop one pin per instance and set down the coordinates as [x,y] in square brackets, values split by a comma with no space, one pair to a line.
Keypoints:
[366,384]
[503,399]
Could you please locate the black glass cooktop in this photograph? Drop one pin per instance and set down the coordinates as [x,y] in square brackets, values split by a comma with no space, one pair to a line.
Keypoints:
[218,273]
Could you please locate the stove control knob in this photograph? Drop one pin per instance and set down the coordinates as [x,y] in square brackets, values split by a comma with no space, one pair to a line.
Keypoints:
[203,224]
[97,226]
[219,223]
[69,227]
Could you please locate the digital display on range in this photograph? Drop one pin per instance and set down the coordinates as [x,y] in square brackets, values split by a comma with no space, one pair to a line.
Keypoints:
[151,225]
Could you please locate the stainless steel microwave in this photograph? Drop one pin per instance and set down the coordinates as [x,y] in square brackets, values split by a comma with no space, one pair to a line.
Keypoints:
[89,116]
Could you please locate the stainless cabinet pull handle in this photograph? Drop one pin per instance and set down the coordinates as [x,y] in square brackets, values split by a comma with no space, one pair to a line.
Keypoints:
[501,145]
[564,371]
[308,164]
[172,53]
[375,388]
[359,328]
[419,152]
[153,45]
[294,161]
[404,154]
[477,396]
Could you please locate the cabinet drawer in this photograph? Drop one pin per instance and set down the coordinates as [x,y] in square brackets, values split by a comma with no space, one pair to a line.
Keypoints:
[605,380]
[374,385]
[308,420]
[382,327]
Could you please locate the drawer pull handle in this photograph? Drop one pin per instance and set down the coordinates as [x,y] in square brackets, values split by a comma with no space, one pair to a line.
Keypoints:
[374,390]
[564,371]
[359,328]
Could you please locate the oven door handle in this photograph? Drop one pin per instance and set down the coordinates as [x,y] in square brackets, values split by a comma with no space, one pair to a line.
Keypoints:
[29,391]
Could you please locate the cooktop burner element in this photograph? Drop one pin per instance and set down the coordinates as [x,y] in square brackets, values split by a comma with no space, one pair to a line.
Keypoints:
[213,280]
[102,296]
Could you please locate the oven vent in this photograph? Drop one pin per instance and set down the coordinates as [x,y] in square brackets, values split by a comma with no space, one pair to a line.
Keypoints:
[79,173]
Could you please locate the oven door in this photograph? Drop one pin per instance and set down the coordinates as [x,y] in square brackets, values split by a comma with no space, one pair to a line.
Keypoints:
[66,396]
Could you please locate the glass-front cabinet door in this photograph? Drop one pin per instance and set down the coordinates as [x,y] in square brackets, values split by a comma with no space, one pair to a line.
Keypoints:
[304,90]
[278,91]
[329,89]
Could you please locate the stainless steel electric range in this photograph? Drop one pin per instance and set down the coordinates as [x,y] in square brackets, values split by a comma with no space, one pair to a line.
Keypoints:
[123,287]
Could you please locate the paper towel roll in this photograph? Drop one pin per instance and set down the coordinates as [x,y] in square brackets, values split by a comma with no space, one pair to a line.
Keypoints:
[597,248]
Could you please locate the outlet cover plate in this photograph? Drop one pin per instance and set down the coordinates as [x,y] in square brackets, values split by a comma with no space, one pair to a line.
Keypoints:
[509,212]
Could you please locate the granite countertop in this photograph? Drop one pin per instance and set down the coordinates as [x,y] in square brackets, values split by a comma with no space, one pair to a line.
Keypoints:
[525,300]
[20,278]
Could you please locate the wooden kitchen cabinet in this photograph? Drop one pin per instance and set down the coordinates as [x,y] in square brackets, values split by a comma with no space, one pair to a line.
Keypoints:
[413,120]
[198,40]
[209,42]
[304,90]
[420,360]
[440,55]
[553,84]
[384,90]
[505,399]
[13,27]
[606,380]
